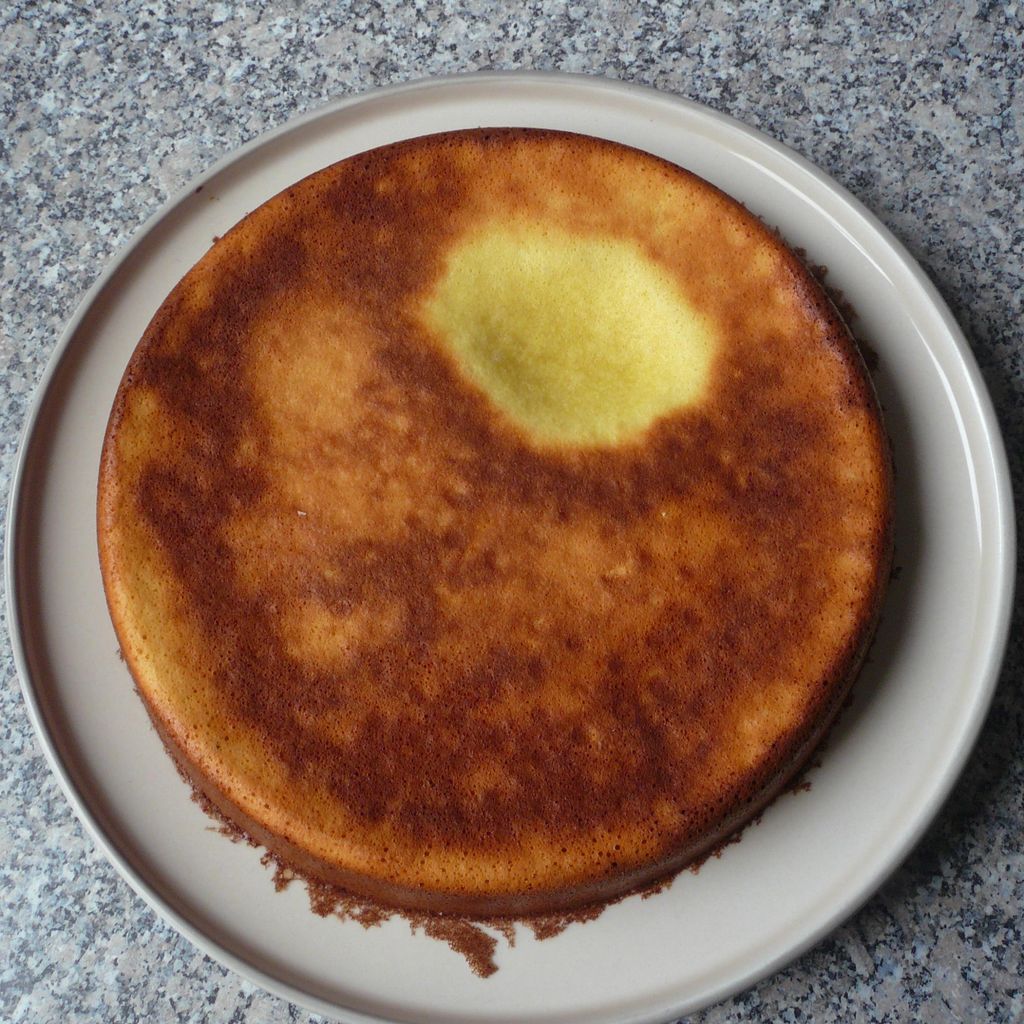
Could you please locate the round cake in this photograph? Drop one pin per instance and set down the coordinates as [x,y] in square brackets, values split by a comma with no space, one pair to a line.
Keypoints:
[494,522]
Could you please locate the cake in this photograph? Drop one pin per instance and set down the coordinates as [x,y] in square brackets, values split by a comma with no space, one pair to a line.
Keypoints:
[494,522]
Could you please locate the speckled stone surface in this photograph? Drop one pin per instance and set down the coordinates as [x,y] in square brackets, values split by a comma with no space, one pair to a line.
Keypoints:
[917,108]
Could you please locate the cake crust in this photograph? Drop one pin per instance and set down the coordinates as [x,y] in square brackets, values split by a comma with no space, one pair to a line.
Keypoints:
[446,653]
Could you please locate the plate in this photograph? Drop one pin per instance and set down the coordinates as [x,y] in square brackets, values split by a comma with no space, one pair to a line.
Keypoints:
[814,857]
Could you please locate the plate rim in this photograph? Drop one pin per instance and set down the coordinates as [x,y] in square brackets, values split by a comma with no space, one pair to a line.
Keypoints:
[1002,587]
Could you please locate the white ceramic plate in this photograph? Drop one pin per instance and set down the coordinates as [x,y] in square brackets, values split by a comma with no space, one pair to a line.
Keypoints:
[812,860]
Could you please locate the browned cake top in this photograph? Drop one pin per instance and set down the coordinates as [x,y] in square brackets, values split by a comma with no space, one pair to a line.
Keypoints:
[494,513]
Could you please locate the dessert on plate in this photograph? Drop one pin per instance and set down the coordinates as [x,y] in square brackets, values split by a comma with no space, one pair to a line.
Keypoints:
[493,522]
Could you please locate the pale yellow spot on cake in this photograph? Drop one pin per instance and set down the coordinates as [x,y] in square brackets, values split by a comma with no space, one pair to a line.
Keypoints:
[580,339]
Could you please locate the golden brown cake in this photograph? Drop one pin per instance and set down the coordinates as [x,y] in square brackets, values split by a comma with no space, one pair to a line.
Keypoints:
[493,522]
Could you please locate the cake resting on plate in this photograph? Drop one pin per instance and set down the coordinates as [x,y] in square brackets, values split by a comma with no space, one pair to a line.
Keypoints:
[494,521]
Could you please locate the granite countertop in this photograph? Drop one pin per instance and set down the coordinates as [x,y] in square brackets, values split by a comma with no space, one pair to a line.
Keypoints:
[917,108]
